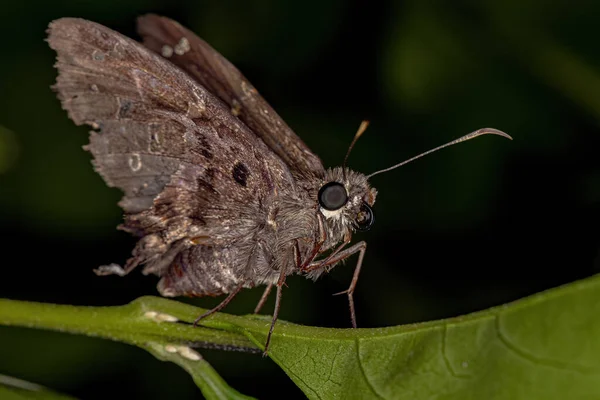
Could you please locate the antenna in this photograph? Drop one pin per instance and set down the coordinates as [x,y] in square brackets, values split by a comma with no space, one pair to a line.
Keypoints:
[361,129]
[472,135]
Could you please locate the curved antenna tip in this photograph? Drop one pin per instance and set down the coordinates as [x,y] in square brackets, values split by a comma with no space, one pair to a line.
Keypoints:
[469,136]
[492,131]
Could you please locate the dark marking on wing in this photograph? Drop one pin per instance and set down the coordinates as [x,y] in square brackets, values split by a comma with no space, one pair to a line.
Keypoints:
[124,108]
[210,174]
[155,139]
[268,180]
[223,79]
[197,217]
[173,148]
[203,148]
[240,173]
[205,186]
[222,131]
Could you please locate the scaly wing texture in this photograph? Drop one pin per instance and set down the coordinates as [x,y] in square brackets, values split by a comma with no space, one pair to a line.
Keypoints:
[190,171]
[213,71]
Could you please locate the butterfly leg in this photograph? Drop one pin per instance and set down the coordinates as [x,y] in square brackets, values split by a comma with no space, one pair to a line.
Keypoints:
[280,284]
[325,261]
[221,305]
[359,248]
[263,298]
[316,247]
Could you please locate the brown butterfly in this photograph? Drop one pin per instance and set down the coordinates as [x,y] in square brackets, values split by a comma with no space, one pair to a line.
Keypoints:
[221,192]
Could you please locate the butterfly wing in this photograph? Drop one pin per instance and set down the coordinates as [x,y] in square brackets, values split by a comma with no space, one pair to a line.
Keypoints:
[189,170]
[213,71]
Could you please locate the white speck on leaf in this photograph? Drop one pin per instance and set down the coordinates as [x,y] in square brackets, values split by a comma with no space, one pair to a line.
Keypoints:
[188,353]
[160,317]
[184,351]
[171,348]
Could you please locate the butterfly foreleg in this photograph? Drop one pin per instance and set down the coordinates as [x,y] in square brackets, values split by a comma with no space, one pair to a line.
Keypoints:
[316,249]
[315,265]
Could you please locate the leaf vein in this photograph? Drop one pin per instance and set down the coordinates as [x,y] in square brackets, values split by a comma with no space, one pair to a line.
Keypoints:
[363,372]
[447,362]
[524,354]
[337,353]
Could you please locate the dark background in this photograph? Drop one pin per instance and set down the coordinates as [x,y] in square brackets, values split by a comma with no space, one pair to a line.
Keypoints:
[477,225]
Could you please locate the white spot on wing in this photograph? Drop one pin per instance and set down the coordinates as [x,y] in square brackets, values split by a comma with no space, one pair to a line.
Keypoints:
[247,89]
[182,47]
[138,84]
[98,55]
[236,107]
[166,51]
[135,162]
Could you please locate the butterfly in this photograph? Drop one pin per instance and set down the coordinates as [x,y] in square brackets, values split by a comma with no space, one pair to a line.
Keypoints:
[222,194]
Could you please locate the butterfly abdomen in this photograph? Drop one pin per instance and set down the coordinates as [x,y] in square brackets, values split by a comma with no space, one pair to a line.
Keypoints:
[203,271]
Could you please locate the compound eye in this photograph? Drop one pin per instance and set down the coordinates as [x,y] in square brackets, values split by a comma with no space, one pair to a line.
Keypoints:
[333,196]
[365,218]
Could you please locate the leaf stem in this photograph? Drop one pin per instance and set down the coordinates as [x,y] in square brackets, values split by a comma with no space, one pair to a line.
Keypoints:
[135,323]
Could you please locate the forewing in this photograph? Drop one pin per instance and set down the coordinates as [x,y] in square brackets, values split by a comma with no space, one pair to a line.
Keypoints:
[189,169]
[213,71]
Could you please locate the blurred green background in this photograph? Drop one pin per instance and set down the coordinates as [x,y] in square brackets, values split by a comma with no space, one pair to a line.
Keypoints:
[473,226]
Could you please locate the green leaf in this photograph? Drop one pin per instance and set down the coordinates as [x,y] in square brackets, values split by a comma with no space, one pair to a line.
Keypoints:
[546,346]
[207,379]
[543,347]
[13,388]
[138,324]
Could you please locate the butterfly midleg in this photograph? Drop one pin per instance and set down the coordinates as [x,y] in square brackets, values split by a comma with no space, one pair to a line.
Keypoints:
[280,284]
[263,298]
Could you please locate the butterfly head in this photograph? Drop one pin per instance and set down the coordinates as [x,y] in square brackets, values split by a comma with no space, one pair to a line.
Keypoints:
[345,197]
